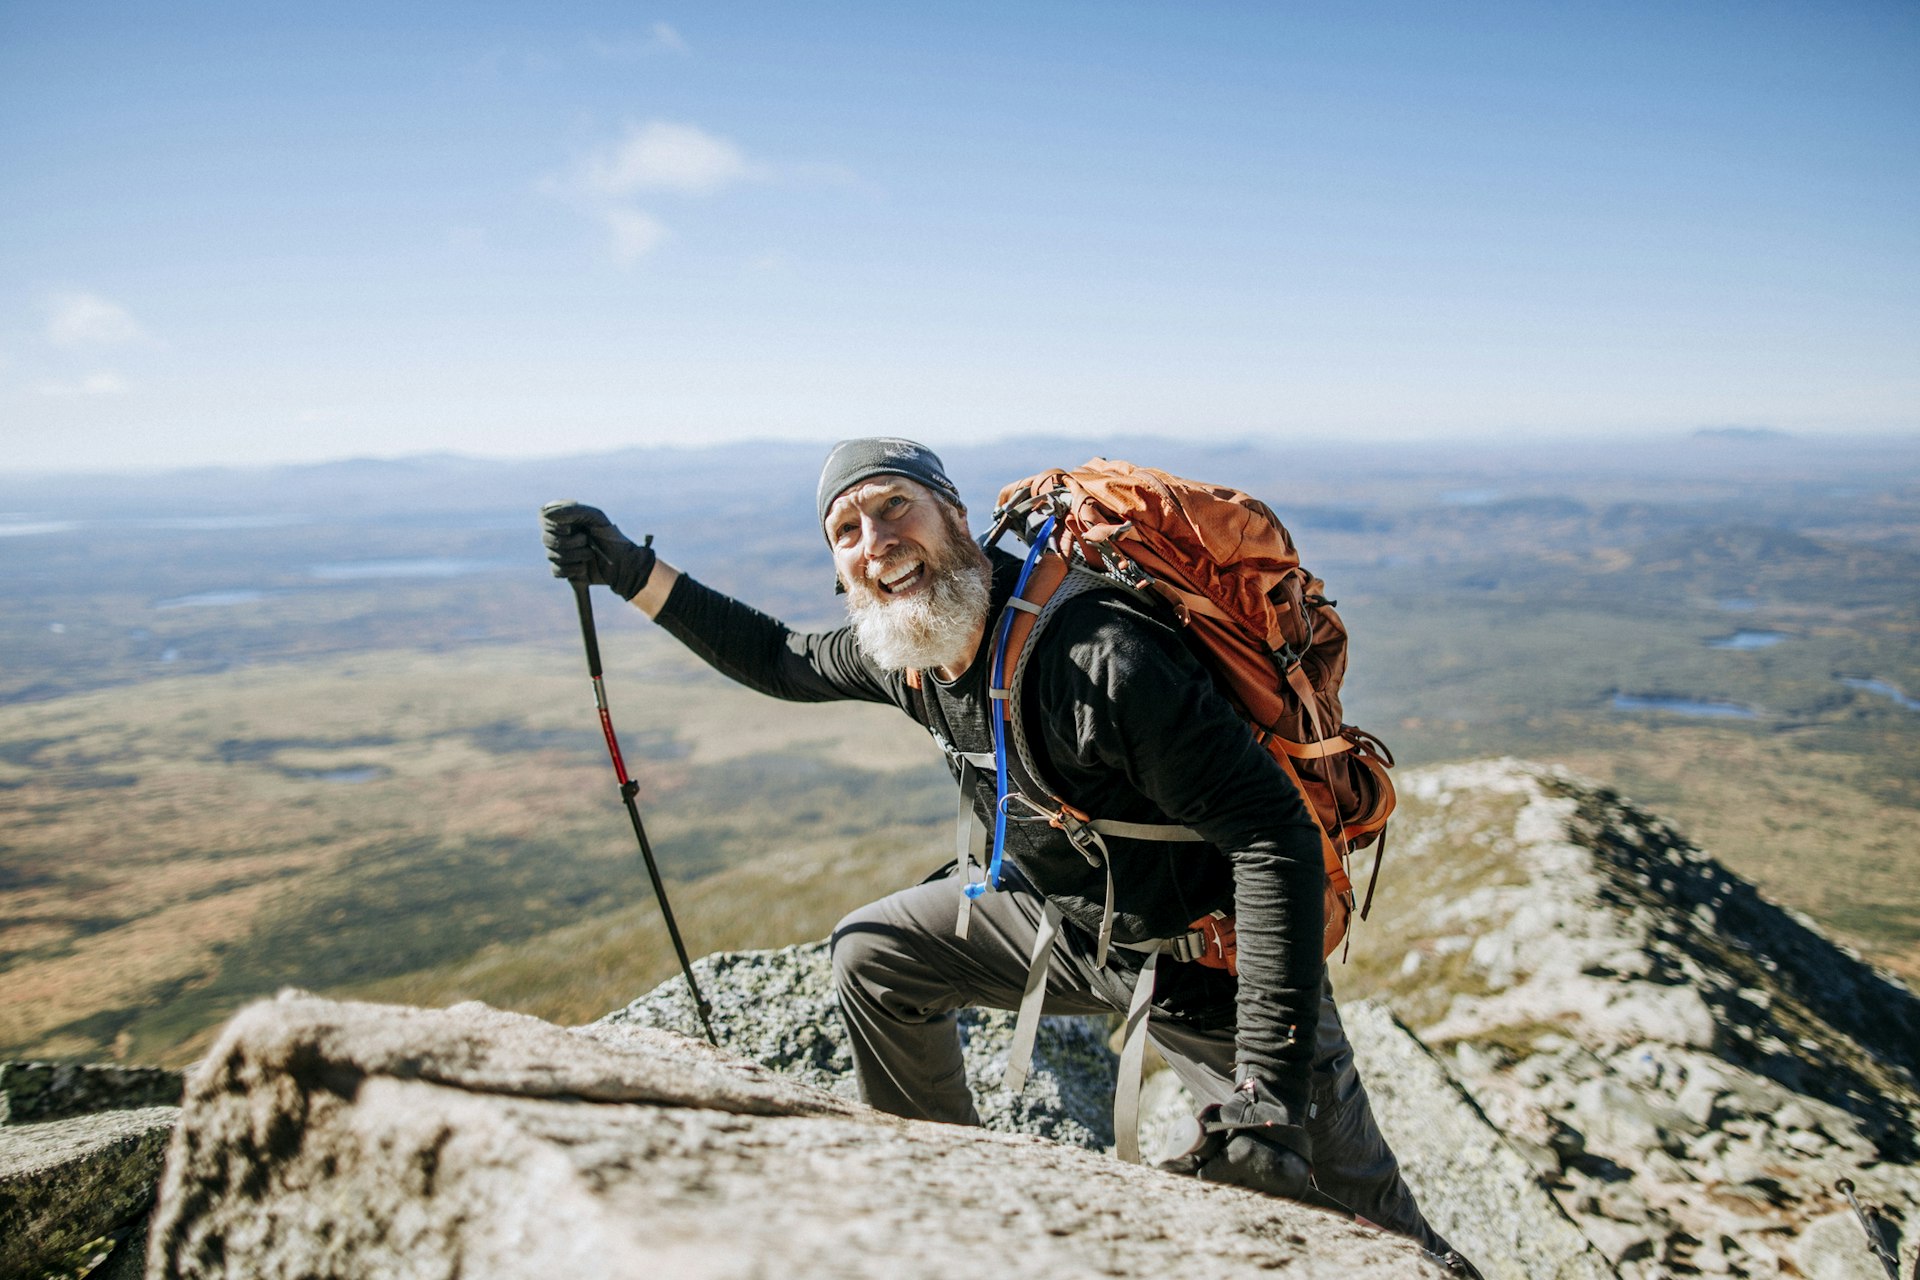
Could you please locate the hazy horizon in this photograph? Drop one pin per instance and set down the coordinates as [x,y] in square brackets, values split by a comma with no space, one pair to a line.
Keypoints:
[1467,448]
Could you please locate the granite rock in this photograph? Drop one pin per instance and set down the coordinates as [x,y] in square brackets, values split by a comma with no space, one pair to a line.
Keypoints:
[324,1139]
[1688,1067]
[777,1008]
[66,1182]
[36,1091]
[1476,1188]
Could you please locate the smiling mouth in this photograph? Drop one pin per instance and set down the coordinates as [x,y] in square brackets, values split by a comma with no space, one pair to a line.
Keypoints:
[903,579]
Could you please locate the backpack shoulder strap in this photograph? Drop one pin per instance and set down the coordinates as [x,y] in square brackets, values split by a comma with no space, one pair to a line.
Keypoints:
[1044,599]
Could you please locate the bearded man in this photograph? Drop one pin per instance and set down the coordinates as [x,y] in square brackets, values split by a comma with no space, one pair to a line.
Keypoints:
[1132,725]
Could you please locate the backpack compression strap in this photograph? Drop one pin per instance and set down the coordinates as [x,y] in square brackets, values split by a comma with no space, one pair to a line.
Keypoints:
[969,833]
[1133,1047]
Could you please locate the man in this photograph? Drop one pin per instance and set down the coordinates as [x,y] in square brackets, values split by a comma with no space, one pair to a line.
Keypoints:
[1131,726]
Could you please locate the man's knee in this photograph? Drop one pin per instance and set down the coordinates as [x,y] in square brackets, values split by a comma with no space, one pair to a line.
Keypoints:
[859,947]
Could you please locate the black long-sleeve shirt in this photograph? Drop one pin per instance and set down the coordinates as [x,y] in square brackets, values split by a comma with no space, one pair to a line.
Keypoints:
[1130,726]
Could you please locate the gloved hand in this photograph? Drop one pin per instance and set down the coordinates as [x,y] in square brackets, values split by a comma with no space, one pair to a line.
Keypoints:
[1252,1158]
[582,543]
[1250,1141]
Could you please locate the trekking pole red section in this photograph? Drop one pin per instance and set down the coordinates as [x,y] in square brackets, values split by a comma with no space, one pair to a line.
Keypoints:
[628,790]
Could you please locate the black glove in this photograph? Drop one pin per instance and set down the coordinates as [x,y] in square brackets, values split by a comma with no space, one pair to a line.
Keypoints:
[1250,1141]
[1452,1261]
[583,544]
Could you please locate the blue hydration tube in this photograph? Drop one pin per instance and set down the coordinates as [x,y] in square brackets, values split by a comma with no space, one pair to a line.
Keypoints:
[997,714]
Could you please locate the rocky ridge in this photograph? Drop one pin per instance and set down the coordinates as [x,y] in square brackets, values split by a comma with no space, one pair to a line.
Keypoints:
[1623,1061]
[1691,1069]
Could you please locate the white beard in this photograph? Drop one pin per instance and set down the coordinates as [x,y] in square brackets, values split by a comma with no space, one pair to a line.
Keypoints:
[935,627]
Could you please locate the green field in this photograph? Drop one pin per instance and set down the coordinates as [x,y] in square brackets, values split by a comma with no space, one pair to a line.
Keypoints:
[178,847]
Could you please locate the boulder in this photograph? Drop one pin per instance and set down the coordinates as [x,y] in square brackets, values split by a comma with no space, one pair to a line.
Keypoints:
[34,1091]
[65,1183]
[1835,1247]
[329,1139]
[777,1008]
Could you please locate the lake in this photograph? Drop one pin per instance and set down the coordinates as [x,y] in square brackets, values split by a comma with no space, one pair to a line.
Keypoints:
[1683,706]
[1747,640]
[1884,688]
[211,599]
[428,567]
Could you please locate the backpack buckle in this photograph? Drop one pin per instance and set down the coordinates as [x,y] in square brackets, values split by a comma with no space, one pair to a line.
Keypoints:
[1210,941]
[1130,573]
[1188,947]
[1004,518]
[1081,835]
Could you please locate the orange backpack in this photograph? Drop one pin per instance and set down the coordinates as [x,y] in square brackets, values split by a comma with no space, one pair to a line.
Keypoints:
[1228,570]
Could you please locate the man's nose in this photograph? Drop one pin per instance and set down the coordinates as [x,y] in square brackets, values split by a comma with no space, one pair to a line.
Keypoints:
[876,538]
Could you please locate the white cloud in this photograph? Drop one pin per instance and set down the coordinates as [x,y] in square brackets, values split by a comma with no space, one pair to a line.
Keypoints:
[104,383]
[635,234]
[79,319]
[663,156]
[660,38]
[667,40]
[655,156]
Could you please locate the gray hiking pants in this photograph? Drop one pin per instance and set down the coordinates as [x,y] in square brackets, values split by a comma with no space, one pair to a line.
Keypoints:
[900,974]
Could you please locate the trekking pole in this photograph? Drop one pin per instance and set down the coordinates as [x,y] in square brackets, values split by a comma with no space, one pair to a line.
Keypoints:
[628,790]
[1870,1223]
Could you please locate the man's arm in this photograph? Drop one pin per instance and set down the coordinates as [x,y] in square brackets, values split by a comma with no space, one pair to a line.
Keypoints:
[759,651]
[765,654]
[653,596]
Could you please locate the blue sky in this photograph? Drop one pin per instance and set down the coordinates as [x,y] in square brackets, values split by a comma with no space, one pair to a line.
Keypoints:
[249,233]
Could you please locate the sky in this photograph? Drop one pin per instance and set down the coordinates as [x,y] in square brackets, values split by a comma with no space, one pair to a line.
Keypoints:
[258,233]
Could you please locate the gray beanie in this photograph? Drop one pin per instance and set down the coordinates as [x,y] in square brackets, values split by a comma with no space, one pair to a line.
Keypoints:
[855,460]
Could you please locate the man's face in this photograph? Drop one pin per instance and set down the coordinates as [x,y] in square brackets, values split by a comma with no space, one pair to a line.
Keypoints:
[917,584]
[885,532]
